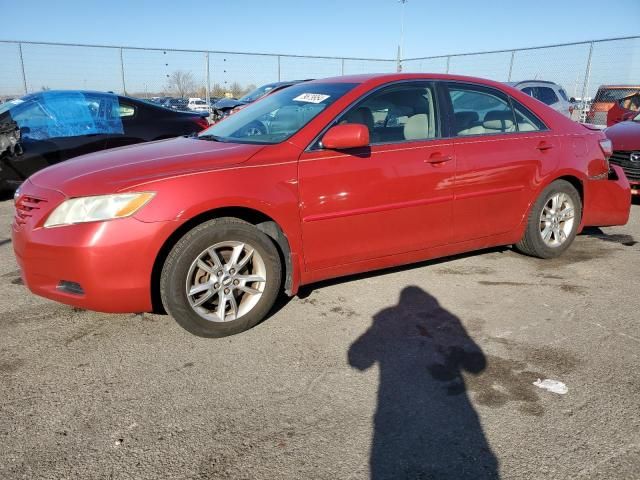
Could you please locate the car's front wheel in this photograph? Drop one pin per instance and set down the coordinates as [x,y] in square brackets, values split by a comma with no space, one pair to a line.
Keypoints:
[553,221]
[221,278]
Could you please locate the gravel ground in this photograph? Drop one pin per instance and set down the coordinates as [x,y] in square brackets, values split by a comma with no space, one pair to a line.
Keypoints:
[418,372]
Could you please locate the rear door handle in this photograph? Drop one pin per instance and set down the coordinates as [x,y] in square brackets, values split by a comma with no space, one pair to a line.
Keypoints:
[437,158]
[544,146]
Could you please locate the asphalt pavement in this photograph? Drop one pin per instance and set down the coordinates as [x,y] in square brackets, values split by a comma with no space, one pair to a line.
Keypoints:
[419,372]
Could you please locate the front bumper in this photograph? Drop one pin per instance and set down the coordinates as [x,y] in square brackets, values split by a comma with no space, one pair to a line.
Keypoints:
[111,261]
[607,201]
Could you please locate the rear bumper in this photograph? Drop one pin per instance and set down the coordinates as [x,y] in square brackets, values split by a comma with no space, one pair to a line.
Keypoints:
[607,201]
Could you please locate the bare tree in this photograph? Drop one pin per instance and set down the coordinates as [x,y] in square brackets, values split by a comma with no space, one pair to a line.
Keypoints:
[236,90]
[218,90]
[181,83]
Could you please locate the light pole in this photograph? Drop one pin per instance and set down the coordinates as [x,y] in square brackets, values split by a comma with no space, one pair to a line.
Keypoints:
[401,44]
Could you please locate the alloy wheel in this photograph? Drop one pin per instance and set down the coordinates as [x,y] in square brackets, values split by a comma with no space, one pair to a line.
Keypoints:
[226,281]
[557,219]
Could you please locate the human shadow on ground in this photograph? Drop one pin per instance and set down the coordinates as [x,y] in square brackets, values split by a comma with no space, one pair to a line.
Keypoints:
[425,426]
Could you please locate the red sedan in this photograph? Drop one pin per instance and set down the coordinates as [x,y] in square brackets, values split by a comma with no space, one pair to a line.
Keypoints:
[322,179]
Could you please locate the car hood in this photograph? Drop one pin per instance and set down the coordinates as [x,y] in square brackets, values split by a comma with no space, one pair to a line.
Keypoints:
[624,135]
[227,103]
[121,168]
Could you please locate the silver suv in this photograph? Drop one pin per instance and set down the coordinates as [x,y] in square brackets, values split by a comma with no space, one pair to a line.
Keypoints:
[547,92]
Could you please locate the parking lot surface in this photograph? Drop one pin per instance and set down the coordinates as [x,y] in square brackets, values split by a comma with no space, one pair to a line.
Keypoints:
[422,372]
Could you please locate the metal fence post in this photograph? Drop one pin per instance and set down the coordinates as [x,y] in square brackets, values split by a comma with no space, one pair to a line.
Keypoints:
[208,85]
[24,76]
[124,85]
[585,86]
[278,67]
[587,73]
[342,67]
[513,54]
[448,63]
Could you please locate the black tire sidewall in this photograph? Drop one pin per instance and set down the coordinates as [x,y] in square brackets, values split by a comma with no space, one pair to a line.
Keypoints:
[176,267]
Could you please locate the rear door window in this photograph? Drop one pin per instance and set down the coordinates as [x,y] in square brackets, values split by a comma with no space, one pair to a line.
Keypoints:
[529,91]
[480,111]
[526,121]
[546,95]
[126,111]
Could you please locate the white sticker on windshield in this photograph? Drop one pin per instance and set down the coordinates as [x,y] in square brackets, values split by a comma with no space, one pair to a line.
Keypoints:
[311,97]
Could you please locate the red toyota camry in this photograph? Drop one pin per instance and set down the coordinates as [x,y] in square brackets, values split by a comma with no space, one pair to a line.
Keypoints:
[322,179]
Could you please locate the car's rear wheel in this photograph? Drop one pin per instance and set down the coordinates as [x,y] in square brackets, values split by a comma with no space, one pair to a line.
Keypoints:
[221,278]
[553,221]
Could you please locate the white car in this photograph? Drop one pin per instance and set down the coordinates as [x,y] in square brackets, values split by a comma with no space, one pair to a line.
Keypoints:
[198,105]
[547,92]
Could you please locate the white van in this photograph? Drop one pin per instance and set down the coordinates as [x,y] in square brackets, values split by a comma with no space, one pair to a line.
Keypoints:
[198,105]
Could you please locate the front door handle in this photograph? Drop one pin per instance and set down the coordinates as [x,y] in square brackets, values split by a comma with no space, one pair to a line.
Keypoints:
[437,158]
[544,146]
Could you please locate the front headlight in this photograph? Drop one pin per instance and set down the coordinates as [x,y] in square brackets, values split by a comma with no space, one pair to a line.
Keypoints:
[98,208]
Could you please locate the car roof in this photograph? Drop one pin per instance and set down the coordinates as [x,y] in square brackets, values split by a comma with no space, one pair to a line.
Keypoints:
[545,82]
[90,92]
[381,78]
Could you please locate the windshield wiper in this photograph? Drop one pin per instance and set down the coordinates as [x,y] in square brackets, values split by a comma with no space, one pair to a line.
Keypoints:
[212,138]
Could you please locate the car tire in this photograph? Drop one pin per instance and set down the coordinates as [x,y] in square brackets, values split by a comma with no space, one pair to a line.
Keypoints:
[191,266]
[550,231]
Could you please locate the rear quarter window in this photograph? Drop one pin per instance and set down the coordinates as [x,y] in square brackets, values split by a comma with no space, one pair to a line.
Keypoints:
[563,94]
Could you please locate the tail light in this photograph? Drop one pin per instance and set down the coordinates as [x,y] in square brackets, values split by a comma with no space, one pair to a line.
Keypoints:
[203,122]
[607,148]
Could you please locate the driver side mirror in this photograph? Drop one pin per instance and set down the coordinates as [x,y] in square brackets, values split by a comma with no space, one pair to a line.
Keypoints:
[345,136]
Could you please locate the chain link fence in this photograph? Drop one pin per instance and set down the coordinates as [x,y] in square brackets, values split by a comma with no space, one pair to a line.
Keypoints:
[580,68]
[142,72]
[145,73]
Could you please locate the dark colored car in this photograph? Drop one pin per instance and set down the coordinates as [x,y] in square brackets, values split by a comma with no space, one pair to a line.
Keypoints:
[225,106]
[54,126]
[179,104]
[625,137]
[349,174]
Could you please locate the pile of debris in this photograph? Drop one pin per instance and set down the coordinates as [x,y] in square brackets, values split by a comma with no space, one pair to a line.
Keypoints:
[9,139]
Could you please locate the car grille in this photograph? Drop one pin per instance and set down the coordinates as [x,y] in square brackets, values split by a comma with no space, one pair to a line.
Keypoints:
[623,159]
[26,207]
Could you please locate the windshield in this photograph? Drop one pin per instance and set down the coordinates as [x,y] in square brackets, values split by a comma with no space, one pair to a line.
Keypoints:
[6,106]
[279,116]
[257,93]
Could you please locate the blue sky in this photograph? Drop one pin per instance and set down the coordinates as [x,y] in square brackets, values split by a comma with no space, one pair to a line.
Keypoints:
[364,28]
[352,28]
